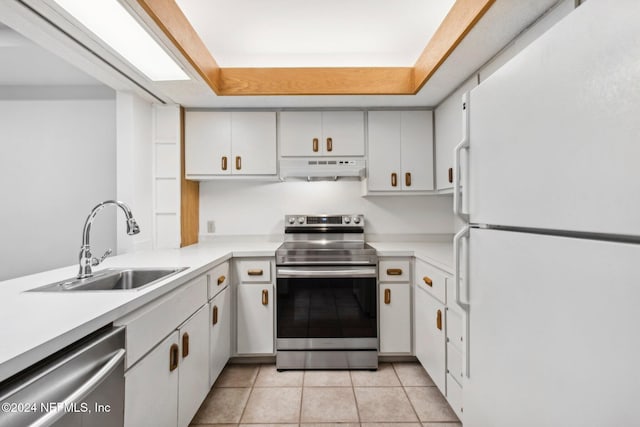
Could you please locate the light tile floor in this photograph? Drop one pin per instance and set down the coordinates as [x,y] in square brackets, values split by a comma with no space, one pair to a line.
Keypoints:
[399,394]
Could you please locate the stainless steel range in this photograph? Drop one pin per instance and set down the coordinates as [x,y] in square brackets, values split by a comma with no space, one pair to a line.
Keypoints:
[326,294]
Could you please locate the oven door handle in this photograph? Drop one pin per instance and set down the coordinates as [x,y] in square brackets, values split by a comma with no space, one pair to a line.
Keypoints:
[291,272]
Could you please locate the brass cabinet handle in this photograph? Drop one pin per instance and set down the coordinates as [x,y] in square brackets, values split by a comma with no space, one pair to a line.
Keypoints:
[221,280]
[215,315]
[394,272]
[315,145]
[173,357]
[407,179]
[224,163]
[428,281]
[439,320]
[387,296]
[185,345]
[265,297]
[255,272]
[329,144]
[238,163]
[394,179]
[451,175]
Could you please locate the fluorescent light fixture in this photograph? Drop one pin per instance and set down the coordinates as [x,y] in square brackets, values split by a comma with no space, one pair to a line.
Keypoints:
[109,20]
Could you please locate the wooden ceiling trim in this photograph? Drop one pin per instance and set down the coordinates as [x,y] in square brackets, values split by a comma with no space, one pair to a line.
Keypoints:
[317,81]
[462,17]
[174,24]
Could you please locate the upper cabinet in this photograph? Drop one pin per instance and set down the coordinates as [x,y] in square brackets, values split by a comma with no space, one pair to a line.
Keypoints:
[230,143]
[448,117]
[322,133]
[400,151]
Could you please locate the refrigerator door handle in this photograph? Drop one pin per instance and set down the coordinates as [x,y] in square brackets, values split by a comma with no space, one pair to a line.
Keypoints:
[464,145]
[457,251]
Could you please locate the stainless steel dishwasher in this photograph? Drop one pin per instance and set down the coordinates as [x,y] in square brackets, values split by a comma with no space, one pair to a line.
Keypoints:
[82,385]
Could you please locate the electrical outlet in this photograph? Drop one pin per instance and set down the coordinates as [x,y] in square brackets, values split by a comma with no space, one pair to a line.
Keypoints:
[211,226]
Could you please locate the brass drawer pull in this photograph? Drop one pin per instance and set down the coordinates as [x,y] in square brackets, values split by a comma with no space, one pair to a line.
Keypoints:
[215,315]
[387,296]
[329,144]
[428,281]
[394,272]
[315,145]
[265,297]
[224,163]
[238,163]
[394,179]
[439,320]
[451,175]
[407,179]
[221,280]
[173,357]
[185,345]
[255,272]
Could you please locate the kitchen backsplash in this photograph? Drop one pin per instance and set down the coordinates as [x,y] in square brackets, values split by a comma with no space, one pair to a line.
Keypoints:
[258,208]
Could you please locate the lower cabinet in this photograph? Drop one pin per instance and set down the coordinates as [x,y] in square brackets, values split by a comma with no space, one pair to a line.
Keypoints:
[166,387]
[255,333]
[219,333]
[430,336]
[395,317]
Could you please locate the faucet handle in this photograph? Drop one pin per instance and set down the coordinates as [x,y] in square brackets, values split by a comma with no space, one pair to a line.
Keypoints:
[96,261]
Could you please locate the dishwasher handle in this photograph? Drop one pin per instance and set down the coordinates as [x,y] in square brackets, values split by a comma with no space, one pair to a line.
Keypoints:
[81,392]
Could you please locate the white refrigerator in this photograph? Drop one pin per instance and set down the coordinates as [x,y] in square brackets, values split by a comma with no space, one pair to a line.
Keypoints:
[548,267]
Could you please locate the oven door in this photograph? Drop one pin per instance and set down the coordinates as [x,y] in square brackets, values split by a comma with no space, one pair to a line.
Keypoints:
[326,307]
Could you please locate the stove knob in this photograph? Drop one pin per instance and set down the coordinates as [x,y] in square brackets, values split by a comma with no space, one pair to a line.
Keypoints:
[292,220]
[346,220]
[356,220]
[301,220]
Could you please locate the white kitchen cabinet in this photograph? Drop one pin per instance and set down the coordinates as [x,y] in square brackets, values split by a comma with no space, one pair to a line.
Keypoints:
[322,133]
[151,387]
[255,333]
[430,337]
[448,133]
[400,151]
[219,333]
[230,143]
[395,318]
[193,371]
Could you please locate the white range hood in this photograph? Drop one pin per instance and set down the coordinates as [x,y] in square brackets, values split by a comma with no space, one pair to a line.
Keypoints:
[323,168]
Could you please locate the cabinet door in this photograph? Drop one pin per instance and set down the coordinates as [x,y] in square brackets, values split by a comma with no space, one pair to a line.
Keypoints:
[193,382]
[298,129]
[384,152]
[395,318]
[207,143]
[416,132]
[253,138]
[255,319]
[342,133]
[151,388]
[220,334]
[430,336]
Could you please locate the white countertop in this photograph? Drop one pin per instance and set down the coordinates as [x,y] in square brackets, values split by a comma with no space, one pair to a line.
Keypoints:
[34,325]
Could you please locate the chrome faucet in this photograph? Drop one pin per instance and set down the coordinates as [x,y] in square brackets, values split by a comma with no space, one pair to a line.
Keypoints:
[86,260]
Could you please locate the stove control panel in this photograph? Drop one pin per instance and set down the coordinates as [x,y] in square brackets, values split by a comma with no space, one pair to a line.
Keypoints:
[310,221]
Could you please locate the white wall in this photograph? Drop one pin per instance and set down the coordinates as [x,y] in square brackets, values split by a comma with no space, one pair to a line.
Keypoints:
[253,208]
[57,160]
[134,169]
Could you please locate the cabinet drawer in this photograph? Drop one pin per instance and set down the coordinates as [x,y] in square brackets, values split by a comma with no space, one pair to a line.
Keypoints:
[150,324]
[218,278]
[253,270]
[432,280]
[454,329]
[391,270]
[454,396]
[454,363]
